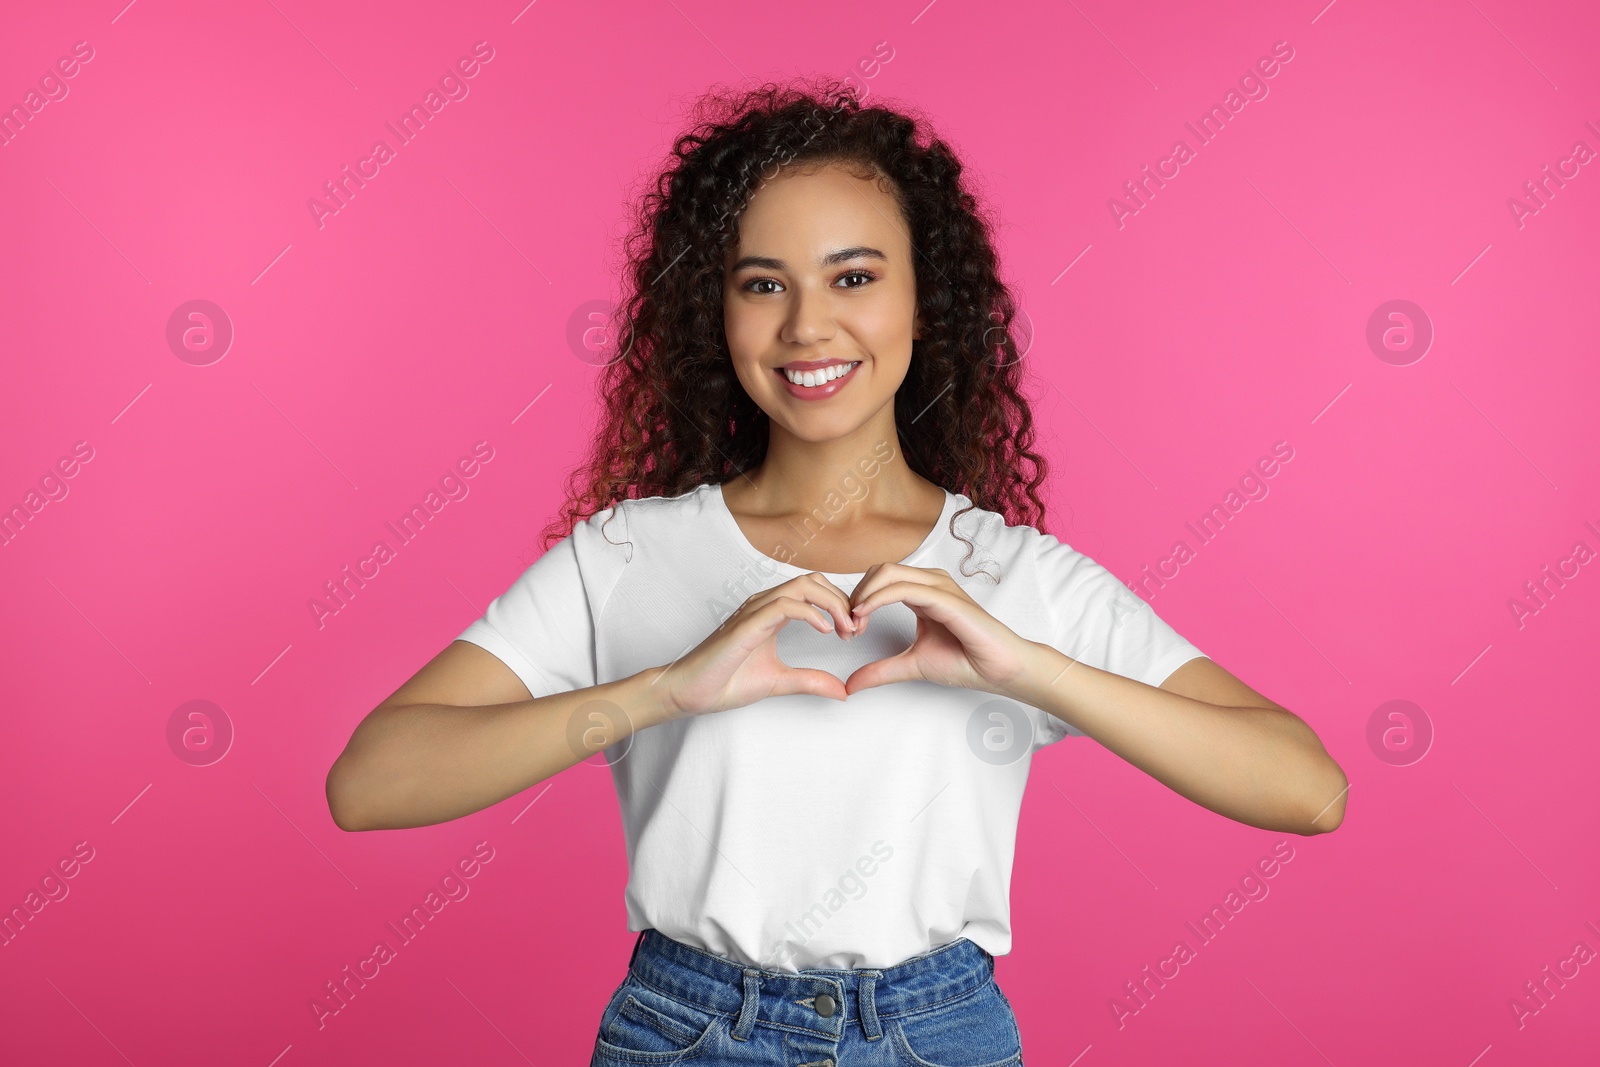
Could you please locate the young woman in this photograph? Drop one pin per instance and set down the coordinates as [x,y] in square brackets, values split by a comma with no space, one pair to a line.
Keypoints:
[816,417]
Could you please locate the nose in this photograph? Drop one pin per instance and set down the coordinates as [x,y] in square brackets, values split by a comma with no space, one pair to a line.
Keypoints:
[810,317]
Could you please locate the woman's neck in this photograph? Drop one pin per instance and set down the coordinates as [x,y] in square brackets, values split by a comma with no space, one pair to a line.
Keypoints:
[859,478]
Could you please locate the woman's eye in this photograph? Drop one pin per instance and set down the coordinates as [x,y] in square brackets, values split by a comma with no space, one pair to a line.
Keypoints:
[751,285]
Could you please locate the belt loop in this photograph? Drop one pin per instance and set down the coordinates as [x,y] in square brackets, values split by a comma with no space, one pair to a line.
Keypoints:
[752,1003]
[868,1004]
[635,954]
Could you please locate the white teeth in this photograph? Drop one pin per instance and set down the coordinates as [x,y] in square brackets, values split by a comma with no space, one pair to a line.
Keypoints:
[815,378]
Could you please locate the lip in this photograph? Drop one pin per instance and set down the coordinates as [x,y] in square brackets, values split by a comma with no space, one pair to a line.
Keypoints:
[818,392]
[814,364]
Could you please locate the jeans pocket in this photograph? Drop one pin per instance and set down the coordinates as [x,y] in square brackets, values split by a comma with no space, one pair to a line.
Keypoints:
[641,1025]
[977,1030]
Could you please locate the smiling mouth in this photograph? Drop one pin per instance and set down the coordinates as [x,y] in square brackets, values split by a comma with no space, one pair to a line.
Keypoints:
[816,379]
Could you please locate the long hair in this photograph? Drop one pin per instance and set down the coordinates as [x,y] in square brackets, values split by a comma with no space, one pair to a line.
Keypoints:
[675,414]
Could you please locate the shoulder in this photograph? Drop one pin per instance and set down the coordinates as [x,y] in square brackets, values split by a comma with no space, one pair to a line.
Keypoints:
[1022,542]
[645,510]
[1003,550]
[657,518]
[979,522]
[1033,557]
[990,529]
[1060,565]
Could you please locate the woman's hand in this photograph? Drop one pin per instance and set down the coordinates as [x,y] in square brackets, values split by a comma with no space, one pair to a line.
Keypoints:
[738,664]
[957,642]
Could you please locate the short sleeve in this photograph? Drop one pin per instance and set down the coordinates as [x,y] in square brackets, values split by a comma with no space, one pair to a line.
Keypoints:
[543,627]
[1098,620]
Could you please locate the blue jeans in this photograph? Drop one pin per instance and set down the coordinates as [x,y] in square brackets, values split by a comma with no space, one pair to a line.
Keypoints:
[679,1004]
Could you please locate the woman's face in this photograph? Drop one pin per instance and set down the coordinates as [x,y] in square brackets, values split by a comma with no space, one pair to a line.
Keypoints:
[821,275]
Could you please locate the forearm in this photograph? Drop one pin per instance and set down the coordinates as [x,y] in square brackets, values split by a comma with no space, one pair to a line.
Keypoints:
[420,764]
[1260,766]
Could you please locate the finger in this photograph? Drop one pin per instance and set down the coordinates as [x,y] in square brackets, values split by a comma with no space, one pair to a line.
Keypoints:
[810,682]
[808,602]
[817,614]
[897,668]
[883,574]
[837,603]
[817,590]
[926,600]
[762,622]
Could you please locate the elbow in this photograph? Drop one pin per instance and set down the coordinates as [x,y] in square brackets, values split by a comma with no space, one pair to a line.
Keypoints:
[1322,784]
[341,803]
[1326,802]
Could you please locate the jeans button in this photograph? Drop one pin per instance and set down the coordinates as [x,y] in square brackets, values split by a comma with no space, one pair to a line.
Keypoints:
[824,1004]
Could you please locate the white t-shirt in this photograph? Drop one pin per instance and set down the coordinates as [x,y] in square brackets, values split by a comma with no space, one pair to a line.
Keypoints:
[800,831]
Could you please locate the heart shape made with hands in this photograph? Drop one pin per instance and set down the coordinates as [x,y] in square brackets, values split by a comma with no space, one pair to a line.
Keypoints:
[917,624]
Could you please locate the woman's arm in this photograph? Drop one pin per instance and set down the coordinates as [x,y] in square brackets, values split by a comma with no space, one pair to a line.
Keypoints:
[465,733]
[1203,733]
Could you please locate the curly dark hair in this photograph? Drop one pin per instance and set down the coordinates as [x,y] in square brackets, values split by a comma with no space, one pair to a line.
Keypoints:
[676,415]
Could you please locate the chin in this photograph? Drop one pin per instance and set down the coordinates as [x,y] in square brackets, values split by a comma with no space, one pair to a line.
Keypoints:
[818,426]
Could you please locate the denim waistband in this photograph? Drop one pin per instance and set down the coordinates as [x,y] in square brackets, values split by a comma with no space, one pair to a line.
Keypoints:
[789,999]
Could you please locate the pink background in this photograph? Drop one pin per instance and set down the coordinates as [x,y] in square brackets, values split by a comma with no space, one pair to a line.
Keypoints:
[432,312]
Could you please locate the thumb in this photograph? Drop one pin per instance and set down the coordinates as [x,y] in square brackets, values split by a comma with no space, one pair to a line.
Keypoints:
[808,681]
[898,668]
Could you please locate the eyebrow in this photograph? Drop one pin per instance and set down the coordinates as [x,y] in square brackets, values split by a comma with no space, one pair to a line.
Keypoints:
[839,255]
